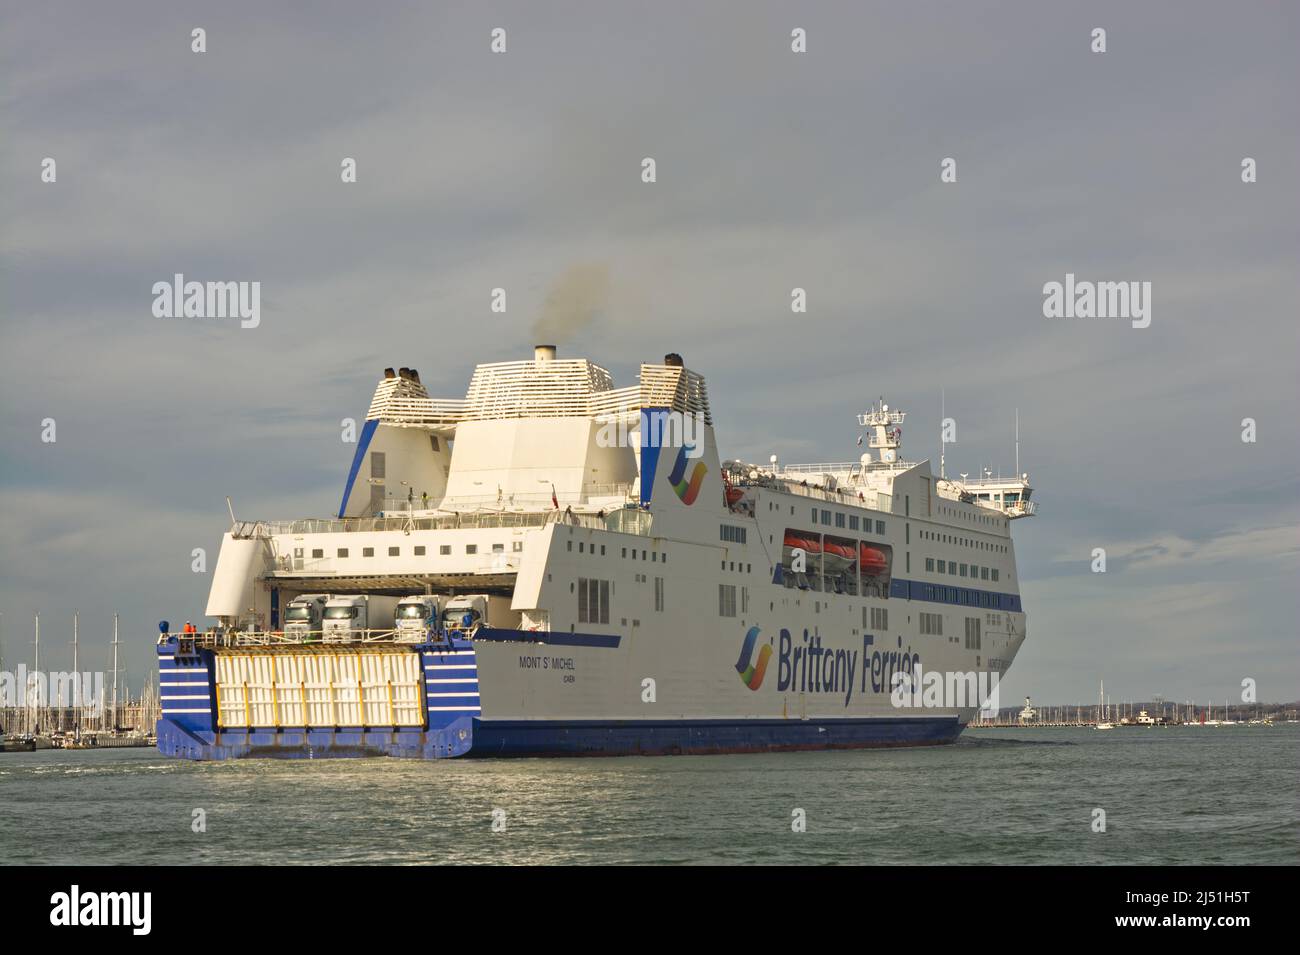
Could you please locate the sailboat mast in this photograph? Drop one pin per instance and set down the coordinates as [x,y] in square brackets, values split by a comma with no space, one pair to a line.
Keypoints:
[76,679]
[36,691]
[113,728]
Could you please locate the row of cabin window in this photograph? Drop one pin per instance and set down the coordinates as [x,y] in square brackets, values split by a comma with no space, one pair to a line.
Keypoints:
[443,549]
[964,542]
[825,521]
[655,556]
[952,568]
[963,596]
[980,518]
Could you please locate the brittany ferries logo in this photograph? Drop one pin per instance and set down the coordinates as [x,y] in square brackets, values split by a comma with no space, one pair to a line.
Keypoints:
[751,674]
[688,489]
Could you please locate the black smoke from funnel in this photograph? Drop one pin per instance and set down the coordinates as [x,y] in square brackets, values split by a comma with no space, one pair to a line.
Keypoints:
[572,303]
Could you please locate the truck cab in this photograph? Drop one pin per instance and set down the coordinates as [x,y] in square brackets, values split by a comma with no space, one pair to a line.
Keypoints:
[417,617]
[303,616]
[349,617]
[464,615]
[343,615]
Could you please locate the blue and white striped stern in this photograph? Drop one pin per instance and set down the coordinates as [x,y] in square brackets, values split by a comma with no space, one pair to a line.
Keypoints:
[452,699]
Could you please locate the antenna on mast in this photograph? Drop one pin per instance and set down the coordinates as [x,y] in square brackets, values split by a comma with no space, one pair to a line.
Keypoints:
[1017,442]
[231,509]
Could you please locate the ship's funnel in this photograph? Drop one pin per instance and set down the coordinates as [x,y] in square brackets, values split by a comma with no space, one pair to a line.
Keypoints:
[673,359]
[543,353]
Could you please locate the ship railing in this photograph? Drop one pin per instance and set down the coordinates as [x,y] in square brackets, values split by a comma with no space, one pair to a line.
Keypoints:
[591,494]
[237,639]
[416,411]
[842,467]
[871,499]
[624,520]
[496,562]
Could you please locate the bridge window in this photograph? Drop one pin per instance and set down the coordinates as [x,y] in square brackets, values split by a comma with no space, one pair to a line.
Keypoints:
[367,552]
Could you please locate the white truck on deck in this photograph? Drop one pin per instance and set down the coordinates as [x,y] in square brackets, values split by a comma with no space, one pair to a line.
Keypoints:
[304,614]
[348,616]
[417,617]
[466,614]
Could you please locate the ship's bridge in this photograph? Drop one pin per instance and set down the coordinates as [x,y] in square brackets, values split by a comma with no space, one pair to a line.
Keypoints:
[1010,496]
[868,482]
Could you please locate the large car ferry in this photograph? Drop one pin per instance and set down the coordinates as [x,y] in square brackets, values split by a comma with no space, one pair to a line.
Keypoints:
[555,566]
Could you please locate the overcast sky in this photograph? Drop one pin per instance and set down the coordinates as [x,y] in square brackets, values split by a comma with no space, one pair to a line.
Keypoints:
[775,170]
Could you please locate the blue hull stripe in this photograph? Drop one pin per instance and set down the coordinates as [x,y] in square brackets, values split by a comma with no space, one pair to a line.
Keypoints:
[607,640]
[467,735]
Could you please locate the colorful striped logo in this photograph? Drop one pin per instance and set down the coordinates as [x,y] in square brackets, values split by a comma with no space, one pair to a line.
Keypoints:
[752,675]
[687,490]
